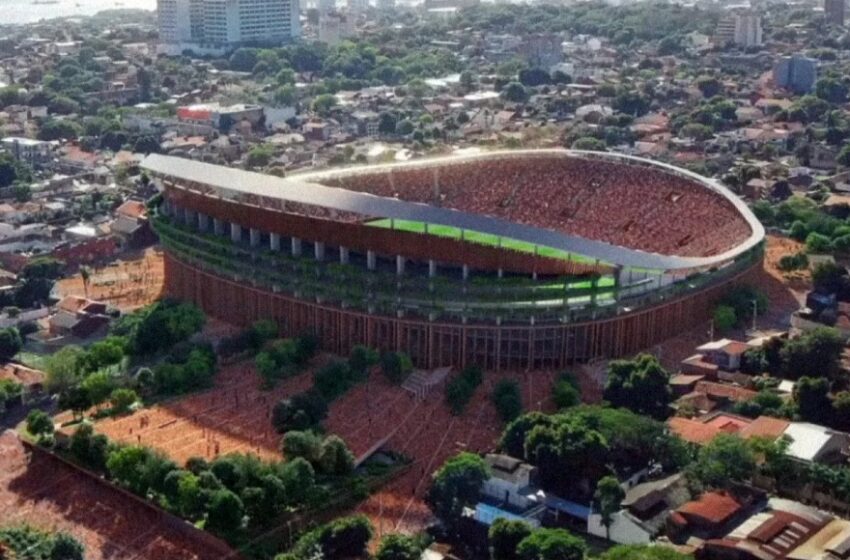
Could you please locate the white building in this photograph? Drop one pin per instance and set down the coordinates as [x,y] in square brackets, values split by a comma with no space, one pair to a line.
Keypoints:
[335,27]
[215,26]
[742,29]
[27,150]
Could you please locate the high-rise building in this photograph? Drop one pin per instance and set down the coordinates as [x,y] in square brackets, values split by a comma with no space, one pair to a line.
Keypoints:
[834,11]
[215,26]
[795,73]
[742,29]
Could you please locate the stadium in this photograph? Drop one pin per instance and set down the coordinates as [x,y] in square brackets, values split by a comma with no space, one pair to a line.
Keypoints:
[508,259]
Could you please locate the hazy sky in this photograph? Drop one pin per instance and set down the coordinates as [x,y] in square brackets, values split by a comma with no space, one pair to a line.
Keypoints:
[24,11]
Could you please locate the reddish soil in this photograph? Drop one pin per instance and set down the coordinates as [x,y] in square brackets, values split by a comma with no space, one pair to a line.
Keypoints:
[52,496]
[127,284]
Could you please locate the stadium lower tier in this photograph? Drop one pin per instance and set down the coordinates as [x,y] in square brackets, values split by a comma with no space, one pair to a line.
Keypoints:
[240,298]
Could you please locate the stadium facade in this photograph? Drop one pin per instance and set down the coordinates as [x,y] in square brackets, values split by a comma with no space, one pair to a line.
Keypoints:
[510,260]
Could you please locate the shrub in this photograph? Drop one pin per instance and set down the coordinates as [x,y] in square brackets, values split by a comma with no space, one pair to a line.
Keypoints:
[122,399]
[304,411]
[566,391]
[396,366]
[39,423]
[459,390]
[302,444]
[507,399]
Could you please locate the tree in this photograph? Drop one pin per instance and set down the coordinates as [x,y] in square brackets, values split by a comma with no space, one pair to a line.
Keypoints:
[225,512]
[724,318]
[816,353]
[515,92]
[456,485]
[122,399]
[532,77]
[243,60]
[398,547]
[285,95]
[505,536]
[818,243]
[260,155]
[641,385]
[831,89]
[811,394]
[565,391]
[305,444]
[56,129]
[66,547]
[631,103]
[589,143]
[324,103]
[507,399]
[396,366]
[98,386]
[643,552]
[361,359]
[10,343]
[336,458]
[551,544]
[725,459]
[39,423]
[609,494]
[708,86]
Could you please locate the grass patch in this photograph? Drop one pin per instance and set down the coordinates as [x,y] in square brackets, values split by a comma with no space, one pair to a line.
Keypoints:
[480,238]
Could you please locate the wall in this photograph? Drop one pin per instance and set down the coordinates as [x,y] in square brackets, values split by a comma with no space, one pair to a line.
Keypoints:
[433,344]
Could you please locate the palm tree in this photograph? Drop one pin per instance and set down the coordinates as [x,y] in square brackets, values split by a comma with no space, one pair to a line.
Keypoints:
[609,494]
[85,274]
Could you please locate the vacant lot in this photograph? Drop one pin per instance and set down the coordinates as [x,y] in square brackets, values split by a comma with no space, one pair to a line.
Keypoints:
[47,494]
[127,284]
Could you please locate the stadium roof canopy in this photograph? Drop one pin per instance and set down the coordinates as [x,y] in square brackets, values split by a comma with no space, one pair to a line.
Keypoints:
[241,186]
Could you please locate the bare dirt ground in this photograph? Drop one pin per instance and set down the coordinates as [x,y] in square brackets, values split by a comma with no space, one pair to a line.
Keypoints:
[130,283]
[785,292]
[49,495]
[234,416]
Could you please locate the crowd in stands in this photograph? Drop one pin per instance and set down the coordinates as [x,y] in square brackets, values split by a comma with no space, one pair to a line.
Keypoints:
[632,206]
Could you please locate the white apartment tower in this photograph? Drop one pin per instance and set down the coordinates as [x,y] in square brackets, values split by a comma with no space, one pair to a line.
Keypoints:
[215,26]
[742,29]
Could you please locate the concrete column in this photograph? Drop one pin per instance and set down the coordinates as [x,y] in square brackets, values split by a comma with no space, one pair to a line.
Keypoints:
[274,241]
[466,272]
[343,255]
[432,268]
[165,207]
[319,250]
[255,237]
[371,260]
[218,226]
[399,265]
[187,216]
[296,247]
[203,222]
[500,273]
[235,233]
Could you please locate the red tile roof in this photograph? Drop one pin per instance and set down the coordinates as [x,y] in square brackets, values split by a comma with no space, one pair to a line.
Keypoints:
[765,426]
[722,390]
[692,431]
[712,507]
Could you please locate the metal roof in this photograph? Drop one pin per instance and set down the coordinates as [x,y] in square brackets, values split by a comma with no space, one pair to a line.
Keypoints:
[233,184]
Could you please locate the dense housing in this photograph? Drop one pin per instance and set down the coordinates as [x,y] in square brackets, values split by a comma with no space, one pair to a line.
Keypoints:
[508,259]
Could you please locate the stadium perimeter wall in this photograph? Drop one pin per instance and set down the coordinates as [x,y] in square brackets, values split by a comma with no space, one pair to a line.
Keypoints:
[435,344]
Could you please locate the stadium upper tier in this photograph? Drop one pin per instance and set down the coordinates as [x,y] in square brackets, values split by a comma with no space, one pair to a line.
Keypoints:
[620,210]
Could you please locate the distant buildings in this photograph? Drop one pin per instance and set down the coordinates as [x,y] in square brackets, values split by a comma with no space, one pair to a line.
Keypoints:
[741,29]
[542,50]
[834,11]
[32,152]
[215,26]
[795,73]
